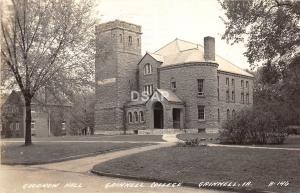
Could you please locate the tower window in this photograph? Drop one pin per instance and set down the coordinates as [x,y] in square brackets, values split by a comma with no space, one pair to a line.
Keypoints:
[228,114]
[201,113]
[147,69]
[233,96]
[200,87]
[129,41]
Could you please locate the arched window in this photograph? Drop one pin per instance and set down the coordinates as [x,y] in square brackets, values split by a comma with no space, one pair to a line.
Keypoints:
[147,69]
[233,114]
[228,114]
[142,116]
[130,117]
[129,40]
[136,117]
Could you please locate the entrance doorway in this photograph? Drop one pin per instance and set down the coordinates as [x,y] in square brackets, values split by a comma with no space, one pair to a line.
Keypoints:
[158,114]
[176,118]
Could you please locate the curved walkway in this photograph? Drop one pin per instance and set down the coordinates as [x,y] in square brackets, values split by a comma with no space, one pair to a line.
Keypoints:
[77,172]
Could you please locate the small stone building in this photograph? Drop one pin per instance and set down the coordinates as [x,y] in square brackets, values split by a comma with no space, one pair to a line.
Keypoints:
[48,118]
[183,85]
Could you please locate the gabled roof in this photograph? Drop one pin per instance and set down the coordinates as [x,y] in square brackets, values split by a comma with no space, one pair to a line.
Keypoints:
[169,95]
[180,52]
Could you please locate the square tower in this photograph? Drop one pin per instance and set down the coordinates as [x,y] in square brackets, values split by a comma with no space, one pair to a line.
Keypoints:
[118,50]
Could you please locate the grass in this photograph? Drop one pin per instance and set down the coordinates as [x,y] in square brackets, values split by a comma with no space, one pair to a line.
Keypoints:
[201,164]
[292,141]
[48,152]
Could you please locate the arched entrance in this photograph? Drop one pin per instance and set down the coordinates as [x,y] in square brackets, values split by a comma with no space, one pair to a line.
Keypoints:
[158,115]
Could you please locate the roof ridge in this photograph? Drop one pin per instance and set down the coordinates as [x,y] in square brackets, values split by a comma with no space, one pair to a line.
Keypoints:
[165,45]
[233,64]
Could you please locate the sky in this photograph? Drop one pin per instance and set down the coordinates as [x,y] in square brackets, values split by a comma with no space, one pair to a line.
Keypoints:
[164,20]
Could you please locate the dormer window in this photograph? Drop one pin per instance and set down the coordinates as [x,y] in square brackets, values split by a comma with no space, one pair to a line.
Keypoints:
[147,69]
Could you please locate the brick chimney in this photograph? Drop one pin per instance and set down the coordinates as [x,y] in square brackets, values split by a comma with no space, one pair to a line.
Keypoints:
[209,48]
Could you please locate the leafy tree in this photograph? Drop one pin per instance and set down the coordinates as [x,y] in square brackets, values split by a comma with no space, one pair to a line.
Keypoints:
[270,28]
[47,42]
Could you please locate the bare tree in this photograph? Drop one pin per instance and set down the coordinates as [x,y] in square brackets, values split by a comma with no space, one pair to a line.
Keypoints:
[48,42]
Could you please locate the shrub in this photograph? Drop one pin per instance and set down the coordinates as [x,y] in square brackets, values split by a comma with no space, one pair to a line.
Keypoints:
[254,126]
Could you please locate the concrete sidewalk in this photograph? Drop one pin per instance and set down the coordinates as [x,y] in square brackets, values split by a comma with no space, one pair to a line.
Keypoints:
[86,164]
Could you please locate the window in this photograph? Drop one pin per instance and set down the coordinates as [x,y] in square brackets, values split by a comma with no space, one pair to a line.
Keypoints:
[120,38]
[247,98]
[32,124]
[63,126]
[17,126]
[130,117]
[242,84]
[232,83]
[173,84]
[219,115]
[227,96]
[11,126]
[227,81]
[138,41]
[129,40]
[218,81]
[233,96]
[201,113]
[148,89]
[242,98]
[218,94]
[247,86]
[233,113]
[200,87]
[228,114]
[136,117]
[142,116]
[147,69]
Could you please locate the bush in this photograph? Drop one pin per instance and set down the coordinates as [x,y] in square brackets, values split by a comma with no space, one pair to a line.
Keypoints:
[254,126]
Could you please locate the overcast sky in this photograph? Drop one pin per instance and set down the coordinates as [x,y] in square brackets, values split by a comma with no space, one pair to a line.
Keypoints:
[164,20]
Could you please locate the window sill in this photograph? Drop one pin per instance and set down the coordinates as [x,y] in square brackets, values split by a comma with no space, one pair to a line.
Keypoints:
[201,120]
[147,74]
[201,96]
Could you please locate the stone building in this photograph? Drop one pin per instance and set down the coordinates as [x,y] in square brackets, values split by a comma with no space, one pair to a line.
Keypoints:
[182,85]
[49,118]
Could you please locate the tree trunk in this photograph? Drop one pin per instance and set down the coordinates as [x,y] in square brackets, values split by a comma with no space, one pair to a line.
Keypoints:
[28,121]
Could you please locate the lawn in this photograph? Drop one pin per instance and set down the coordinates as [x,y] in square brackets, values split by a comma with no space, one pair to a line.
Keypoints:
[292,141]
[47,152]
[202,164]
